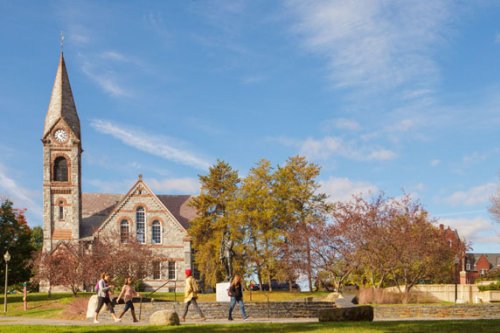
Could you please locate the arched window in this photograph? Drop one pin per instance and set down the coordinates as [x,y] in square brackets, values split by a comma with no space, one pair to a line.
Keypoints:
[156,232]
[124,231]
[140,219]
[61,210]
[60,169]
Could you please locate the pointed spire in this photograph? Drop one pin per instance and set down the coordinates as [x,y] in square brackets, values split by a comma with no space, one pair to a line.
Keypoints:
[61,103]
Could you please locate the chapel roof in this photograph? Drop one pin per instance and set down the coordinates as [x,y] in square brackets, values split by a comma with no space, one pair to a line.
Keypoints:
[62,104]
[96,208]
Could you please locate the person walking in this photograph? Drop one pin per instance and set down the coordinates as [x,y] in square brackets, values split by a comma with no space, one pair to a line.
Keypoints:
[190,295]
[236,293]
[128,293]
[103,293]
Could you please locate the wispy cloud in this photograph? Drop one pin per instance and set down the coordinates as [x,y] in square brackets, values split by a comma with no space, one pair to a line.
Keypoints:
[107,186]
[20,196]
[435,162]
[329,146]
[252,79]
[175,185]
[341,123]
[204,125]
[374,43]
[106,79]
[474,196]
[342,189]
[152,144]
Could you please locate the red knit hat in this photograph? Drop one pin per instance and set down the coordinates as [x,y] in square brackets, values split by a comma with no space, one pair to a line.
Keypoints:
[188,272]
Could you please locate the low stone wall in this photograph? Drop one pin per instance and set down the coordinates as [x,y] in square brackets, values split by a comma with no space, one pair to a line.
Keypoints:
[479,311]
[219,310]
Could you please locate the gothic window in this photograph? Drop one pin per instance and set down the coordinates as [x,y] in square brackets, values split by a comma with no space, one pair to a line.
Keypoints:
[156,232]
[156,270]
[124,231]
[60,169]
[171,270]
[141,225]
[61,210]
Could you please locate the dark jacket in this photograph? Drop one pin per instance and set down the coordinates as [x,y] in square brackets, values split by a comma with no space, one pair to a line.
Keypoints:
[236,291]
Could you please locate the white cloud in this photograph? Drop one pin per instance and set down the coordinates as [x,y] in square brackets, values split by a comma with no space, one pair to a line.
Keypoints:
[342,189]
[403,125]
[20,196]
[381,155]
[329,146]
[435,162]
[473,196]
[175,185]
[152,144]
[478,230]
[374,43]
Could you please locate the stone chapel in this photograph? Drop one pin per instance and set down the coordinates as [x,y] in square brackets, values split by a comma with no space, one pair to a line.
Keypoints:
[158,221]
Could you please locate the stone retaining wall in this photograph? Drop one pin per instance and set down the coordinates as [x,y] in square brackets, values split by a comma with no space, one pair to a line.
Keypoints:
[219,310]
[482,311]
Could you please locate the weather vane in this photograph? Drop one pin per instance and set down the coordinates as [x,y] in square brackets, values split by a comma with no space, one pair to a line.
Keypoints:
[62,41]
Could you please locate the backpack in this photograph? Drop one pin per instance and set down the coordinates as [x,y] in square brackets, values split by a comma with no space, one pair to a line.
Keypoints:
[196,287]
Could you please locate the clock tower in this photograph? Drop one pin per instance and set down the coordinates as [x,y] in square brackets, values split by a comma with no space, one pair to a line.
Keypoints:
[62,152]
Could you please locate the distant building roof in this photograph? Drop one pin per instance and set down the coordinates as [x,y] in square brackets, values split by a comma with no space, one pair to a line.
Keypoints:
[493,258]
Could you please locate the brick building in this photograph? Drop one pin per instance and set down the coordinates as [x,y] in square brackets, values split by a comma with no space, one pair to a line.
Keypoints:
[158,221]
[453,239]
[478,264]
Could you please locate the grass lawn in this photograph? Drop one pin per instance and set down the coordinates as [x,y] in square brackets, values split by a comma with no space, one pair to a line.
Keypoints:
[475,326]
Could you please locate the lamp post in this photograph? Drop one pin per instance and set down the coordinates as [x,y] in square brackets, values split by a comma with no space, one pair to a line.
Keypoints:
[455,277]
[6,257]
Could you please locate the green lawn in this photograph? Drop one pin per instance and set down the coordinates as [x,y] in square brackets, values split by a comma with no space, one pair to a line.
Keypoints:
[455,326]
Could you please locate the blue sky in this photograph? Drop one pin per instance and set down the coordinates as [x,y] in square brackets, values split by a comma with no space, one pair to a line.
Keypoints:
[386,96]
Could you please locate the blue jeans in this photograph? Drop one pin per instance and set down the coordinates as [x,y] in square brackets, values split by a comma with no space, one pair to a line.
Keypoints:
[232,304]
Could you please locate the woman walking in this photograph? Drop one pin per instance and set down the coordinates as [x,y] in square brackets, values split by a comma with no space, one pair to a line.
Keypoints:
[103,292]
[128,293]
[190,295]
[236,293]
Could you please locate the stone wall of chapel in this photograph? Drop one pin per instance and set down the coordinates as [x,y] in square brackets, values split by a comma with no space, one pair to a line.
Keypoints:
[173,245]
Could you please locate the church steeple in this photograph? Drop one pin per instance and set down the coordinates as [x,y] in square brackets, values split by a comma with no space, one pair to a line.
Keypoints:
[62,104]
[62,165]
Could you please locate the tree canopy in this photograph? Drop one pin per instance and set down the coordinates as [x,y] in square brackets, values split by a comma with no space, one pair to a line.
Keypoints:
[15,236]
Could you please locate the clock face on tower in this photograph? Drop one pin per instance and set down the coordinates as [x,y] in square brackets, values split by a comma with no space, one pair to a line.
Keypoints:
[60,135]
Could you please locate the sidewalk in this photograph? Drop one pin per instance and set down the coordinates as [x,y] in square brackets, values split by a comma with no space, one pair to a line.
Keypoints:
[128,322]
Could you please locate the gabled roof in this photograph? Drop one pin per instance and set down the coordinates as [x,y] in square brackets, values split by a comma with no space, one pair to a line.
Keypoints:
[178,205]
[62,104]
[98,207]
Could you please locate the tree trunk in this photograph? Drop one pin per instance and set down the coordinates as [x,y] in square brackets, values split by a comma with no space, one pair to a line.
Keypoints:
[309,268]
